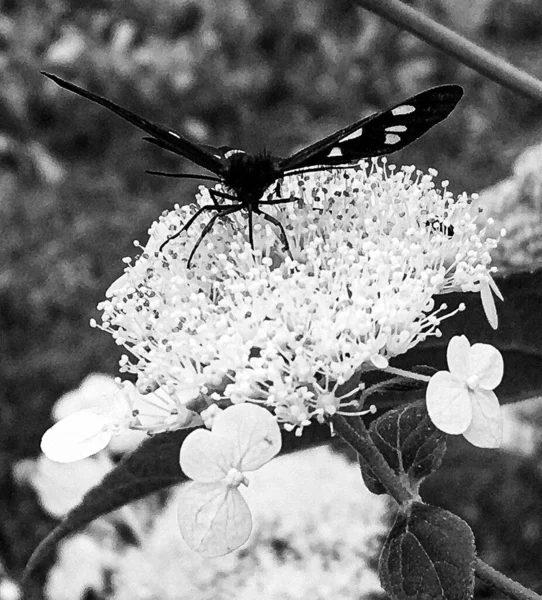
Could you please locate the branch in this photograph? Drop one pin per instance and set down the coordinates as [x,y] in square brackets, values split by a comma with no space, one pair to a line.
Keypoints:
[362,443]
[452,43]
[504,584]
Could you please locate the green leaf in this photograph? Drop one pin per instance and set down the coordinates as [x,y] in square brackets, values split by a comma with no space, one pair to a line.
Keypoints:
[410,443]
[153,466]
[429,555]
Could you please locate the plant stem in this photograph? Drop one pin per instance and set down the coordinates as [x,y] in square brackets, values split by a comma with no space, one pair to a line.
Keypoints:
[452,43]
[362,443]
[407,374]
[504,584]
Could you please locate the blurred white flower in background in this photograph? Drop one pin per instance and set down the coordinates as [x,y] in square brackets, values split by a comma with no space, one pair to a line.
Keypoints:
[61,487]
[316,529]
[80,568]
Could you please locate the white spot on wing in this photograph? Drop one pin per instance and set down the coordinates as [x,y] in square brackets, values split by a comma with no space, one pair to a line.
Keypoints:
[404,109]
[391,139]
[232,152]
[176,135]
[396,129]
[352,136]
[335,152]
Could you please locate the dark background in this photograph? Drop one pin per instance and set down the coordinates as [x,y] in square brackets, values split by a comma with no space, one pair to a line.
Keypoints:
[247,73]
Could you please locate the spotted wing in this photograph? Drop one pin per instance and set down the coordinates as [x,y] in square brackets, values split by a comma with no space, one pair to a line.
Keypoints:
[205,156]
[381,133]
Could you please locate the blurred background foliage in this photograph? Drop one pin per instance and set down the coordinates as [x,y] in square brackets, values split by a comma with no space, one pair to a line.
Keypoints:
[247,73]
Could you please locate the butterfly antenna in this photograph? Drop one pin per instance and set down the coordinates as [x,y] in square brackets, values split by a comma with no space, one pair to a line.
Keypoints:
[184,175]
[320,169]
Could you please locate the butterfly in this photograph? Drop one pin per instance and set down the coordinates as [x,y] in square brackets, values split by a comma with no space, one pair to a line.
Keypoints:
[246,177]
[213,516]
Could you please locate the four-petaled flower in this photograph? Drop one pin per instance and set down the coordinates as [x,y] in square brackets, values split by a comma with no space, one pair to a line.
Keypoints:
[462,400]
[213,515]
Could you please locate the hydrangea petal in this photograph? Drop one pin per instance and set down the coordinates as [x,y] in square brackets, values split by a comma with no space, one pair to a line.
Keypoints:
[487,363]
[94,391]
[488,303]
[457,356]
[254,432]
[448,403]
[485,430]
[206,457]
[77,436]
[61,487]
[214,518]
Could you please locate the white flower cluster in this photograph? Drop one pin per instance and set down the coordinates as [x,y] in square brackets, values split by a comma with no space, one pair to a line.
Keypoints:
[370,247]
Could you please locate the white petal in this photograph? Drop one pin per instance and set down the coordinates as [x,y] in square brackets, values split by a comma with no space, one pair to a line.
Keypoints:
[254,432]
[448,403]
[488,302]
[487,363]
[94,391]
[214,518]
[61,487]
[77,436]
[457,356]
[206,457]
[495,289]
[485,430]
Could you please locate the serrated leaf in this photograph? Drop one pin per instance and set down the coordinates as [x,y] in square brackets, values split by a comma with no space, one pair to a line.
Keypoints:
[410,443]
[429,554]
[153,466]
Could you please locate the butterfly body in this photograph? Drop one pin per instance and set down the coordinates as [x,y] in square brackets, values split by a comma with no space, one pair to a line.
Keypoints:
[246,177]
[249,175]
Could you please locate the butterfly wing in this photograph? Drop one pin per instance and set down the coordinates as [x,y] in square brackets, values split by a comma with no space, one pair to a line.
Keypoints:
[381,133]
[214,518]
[205,156]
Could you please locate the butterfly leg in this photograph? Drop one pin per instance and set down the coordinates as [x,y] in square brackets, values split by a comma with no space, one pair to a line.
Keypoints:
[216,194]
[250,227]
[186,226]
[278,224]
[227,211]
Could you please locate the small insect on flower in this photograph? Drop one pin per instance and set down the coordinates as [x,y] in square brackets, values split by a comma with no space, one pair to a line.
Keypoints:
[213,515]
[246,177]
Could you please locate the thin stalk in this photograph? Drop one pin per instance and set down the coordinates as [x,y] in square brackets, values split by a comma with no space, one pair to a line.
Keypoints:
[452,43]
[362,443]
[504,584]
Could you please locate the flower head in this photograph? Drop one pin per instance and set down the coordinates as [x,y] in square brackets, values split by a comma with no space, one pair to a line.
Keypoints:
[462,400]
[213,516]
[370,247]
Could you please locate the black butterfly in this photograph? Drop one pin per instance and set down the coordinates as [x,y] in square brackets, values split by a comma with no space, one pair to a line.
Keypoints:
[248,176]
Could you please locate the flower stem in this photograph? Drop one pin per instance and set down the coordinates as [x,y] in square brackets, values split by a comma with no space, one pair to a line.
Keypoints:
[504,584]
[407,374]
[362,443]
[445,39]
